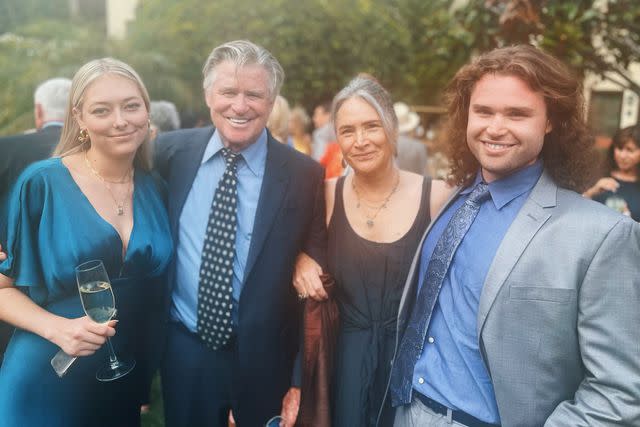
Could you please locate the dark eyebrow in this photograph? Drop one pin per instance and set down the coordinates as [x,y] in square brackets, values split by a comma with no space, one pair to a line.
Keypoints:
[520,110]
[479,107]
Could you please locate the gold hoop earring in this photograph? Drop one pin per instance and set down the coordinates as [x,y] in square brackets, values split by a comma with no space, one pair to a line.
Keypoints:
[83,136]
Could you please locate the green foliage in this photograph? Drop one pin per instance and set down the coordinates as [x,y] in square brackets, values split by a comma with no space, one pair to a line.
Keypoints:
[43,50]
[409,45]
[602,36]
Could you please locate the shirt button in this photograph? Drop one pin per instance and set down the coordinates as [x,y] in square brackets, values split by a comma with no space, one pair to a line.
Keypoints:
[431,340]
[421,380]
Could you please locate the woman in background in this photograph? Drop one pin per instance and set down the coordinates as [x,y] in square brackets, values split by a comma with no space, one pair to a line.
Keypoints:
[278,123]
[299,123]
[620,190]
[94,200]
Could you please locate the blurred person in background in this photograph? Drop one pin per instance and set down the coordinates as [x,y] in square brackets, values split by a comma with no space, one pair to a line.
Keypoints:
[18,151]
[299,123]
[620,189]
[412,154]
[278,123]
[323,133]
[83,204]
[375,216]
[164,117]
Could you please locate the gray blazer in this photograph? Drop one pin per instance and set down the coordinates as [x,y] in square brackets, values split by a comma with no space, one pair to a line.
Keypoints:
[559,315]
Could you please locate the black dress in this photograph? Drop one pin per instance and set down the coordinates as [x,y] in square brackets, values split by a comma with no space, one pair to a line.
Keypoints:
[369,277]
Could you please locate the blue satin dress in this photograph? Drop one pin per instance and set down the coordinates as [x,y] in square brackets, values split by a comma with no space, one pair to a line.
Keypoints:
[52,227]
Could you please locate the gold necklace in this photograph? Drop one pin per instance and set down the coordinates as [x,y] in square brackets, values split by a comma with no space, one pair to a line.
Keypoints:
[371,218]
[125,179]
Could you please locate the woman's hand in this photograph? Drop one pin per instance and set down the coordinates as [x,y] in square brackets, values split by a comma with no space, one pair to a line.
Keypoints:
[3,255]
[81,336]
[306,278]
[603,184]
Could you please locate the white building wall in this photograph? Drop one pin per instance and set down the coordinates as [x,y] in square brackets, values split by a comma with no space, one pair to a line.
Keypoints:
[119,14]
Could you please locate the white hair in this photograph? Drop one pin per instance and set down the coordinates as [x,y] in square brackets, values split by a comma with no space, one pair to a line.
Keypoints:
[164,115]
[241,53]
[53,96]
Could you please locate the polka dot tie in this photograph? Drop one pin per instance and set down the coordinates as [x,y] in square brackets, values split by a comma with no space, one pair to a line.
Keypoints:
[215,299]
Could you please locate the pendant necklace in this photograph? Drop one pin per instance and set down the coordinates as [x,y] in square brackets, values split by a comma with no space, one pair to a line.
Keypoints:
[376,209]
[127,178]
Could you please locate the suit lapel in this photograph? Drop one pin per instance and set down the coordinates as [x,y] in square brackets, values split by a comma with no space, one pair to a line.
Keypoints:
[526,224]
[274,187]
[186,164]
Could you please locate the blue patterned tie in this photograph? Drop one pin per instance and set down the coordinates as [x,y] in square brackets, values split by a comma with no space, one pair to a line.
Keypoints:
[413,340]
[215,290]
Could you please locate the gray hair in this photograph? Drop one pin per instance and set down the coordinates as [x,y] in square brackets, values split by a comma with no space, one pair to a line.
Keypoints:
[370,91]
[53,95]
[85,76]
[241,53]
[164,116]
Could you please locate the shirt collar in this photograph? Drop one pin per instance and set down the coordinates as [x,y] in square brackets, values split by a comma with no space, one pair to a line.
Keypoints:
[52,123]
[254,155]
[506,189]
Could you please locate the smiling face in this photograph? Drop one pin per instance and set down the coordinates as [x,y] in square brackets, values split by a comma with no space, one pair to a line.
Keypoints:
[361,136]
[627,157]
[114,114]
[239,102]
[506,126]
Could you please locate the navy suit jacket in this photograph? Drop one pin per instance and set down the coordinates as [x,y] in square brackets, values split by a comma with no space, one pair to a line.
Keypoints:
[19,151]
[289,219]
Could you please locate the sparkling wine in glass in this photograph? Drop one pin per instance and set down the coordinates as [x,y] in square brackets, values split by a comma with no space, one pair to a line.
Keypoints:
[99,304]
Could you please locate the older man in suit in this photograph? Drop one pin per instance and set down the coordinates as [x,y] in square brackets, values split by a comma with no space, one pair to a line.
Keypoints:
[19,151]
[241,207]
[521,307]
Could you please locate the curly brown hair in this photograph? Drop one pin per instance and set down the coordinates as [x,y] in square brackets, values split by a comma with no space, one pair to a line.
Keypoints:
[568,151]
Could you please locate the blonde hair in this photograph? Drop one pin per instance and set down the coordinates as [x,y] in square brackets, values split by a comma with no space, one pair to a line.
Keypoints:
[86,75]
[278,123]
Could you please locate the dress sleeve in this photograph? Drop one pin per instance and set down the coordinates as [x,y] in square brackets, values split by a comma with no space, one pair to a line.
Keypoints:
[21,214]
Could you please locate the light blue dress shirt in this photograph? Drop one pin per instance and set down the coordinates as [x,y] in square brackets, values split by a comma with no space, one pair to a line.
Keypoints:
[450,369]
[195,216]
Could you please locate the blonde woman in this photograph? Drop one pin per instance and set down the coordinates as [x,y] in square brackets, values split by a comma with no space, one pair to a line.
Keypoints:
[278,123]
[299,123]
[94,200]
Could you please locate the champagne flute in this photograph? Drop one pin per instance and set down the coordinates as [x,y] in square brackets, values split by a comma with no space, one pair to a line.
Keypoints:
[99,304]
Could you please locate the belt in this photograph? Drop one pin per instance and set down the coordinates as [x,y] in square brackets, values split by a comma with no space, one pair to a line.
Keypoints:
[458,416]
[230,345]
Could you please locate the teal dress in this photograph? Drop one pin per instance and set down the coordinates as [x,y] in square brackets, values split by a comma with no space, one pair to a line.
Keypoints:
[51,228]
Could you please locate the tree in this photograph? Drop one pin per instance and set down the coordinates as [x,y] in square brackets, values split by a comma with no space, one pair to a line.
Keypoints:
[601,36]
[411,46]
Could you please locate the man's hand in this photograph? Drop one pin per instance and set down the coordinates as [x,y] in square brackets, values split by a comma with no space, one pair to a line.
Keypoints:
[3,256]
[290,407]
[306,278]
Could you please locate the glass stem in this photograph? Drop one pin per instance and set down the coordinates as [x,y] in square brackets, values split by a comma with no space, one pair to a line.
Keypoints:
[113,359]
